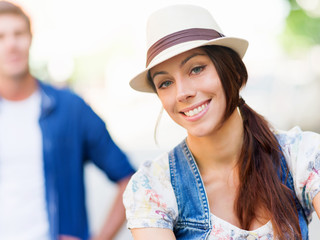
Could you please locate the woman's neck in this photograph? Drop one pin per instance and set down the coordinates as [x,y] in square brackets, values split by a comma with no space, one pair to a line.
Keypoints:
[222,149]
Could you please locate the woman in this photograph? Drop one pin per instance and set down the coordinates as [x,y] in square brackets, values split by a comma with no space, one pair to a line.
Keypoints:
[233,177]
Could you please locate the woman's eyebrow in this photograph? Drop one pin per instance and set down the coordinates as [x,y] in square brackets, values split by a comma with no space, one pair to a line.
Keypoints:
[189,57]
[158,73]
[181,64]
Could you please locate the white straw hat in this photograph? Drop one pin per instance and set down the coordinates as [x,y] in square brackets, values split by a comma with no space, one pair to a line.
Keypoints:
[177,29]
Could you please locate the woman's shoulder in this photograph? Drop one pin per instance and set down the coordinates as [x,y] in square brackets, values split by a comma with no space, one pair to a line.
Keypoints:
[299,147]
[302,153]
[149,198]
[156,166]
[152,174]
[298,138]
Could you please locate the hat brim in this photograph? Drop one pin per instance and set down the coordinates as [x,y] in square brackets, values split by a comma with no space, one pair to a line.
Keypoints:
[140,81]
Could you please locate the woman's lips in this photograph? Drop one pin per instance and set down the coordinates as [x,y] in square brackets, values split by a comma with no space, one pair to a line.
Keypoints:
[196,112]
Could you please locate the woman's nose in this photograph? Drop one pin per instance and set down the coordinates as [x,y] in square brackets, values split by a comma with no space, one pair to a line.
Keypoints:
[185,90]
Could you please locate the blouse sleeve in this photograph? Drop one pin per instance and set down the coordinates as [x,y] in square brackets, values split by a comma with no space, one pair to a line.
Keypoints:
[302,151]
[149,198]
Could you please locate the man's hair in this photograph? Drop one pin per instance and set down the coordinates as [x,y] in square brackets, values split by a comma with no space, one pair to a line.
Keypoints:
[10,8]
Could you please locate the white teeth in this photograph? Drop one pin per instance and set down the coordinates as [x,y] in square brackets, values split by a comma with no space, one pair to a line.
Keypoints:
[196,110]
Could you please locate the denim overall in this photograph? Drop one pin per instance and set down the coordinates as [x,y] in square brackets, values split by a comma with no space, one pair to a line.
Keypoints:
[194,220]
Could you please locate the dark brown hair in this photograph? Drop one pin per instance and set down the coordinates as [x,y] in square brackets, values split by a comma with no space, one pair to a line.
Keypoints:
[259,164]
[10,8]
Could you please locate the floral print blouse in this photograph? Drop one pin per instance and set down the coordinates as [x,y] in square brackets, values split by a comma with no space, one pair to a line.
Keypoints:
[150,200]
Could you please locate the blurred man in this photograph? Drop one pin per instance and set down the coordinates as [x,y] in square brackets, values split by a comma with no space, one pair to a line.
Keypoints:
[46,137]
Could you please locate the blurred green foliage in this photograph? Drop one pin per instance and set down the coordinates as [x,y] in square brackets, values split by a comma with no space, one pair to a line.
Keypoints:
[302,30]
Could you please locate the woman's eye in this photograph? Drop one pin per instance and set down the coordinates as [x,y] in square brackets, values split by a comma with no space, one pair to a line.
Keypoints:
[165,84]
[197,70]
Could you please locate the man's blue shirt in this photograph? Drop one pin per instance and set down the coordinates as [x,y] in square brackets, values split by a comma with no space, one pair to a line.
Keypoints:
[72,135]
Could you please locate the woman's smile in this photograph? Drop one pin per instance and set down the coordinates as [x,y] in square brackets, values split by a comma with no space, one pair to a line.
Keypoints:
[196,112]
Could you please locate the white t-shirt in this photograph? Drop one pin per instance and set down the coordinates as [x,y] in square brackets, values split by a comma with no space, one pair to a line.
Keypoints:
[23,214]
[150,200]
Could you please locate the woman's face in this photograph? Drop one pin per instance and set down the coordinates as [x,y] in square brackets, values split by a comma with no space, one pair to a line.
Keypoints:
[191,92]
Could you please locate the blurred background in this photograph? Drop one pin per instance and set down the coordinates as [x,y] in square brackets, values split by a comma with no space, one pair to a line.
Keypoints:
[95,47]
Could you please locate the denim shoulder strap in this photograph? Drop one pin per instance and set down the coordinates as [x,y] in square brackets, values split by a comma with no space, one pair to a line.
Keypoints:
[288,181]
[194,219]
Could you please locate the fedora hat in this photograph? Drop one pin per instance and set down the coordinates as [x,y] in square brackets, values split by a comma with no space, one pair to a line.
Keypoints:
[176,29]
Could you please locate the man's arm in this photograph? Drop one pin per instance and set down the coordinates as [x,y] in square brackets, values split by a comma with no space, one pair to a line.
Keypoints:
[116,216]
[106,155]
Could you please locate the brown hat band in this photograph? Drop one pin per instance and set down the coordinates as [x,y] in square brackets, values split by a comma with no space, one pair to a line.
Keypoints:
[181,37]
